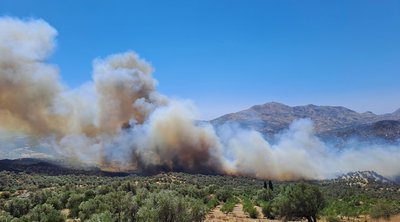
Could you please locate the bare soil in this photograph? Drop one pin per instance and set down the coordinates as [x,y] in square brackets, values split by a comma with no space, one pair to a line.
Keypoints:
[237,215]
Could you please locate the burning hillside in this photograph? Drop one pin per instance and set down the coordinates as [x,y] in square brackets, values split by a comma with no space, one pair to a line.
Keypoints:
[119,121]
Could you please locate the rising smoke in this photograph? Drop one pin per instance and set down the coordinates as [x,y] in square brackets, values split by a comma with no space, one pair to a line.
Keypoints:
[118,121]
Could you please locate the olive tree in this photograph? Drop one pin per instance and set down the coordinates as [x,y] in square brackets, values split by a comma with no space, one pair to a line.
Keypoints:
[300,200]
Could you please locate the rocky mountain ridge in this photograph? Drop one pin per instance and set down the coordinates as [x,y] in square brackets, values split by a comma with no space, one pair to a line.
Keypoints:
[364,177]
[271,118]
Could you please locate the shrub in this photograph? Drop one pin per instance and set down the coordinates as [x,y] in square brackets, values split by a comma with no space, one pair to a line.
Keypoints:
[212,203]
[300,200]
[223,194]
[5,216]
[267,210]
[101,217]
[264,195]
[17,207]
[249,208]
[168,206]
[45,213]
[229,205]
[382,209]
[73,204]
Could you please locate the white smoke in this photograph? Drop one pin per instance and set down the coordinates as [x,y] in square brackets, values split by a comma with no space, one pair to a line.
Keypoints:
[119,121]
[299,154]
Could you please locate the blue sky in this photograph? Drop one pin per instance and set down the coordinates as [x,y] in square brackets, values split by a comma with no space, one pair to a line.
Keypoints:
[227,55]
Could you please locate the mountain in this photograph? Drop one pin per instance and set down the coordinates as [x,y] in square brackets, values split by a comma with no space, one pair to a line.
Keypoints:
[364,178]
[273,117]
[384,130]
[50,167]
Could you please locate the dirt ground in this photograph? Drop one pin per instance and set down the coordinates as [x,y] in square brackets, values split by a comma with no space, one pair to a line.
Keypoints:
[237,215]
[392,219]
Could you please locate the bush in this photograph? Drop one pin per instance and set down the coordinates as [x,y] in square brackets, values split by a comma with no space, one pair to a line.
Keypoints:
[102,217]
[253,213]
[73,204]
[5,217]
[17,207]
[92,206]
[223,194]
[212,203]
[265,195]
[229,205]
[55,202]
[267,210]
[300,200]
[45,213]
[382,210]
[169,206]
[249,208]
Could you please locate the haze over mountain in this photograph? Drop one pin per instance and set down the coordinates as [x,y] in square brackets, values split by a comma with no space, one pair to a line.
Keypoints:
[120,121]
[330,121]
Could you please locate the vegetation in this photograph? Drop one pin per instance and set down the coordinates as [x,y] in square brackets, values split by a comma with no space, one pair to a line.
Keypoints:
[229,205]
[249,208]
[300,200]
[184,197]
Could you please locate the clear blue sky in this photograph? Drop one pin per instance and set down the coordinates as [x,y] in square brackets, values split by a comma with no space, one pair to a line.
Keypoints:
[227,55]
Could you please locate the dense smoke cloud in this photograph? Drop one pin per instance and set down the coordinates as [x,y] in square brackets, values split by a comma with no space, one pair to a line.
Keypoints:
[118,121]
[27,85]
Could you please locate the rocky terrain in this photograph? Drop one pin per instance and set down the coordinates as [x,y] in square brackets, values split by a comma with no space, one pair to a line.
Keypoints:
[336,121]
[364,178]
[382,131]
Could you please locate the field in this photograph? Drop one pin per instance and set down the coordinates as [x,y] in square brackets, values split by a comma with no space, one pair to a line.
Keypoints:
[186,197]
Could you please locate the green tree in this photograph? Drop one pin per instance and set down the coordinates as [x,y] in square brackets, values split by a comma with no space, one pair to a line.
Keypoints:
[55,201]
[268,210]
[229,205]
[129,207]
[92,206]
[5,216]
[45,213]
[114,202]
[101,217]
[300,200]
[249,208]
[264,195]
[223,194]
[73,204]
[383,209]
[271,187]
[17,207]
[169,206]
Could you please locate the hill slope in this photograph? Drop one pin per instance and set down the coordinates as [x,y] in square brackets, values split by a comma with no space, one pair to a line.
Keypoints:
[271,118]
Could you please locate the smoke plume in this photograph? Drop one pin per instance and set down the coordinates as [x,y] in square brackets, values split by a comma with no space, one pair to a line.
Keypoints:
[119,121]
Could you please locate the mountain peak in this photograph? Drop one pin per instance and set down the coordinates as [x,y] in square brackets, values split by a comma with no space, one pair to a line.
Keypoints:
[364,177]
[273,117]
[272,104]
[369,113]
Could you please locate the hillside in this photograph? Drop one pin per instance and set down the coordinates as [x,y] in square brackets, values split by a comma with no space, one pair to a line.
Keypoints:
[50,167]
[271,118]
[364,178]
[384,130]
